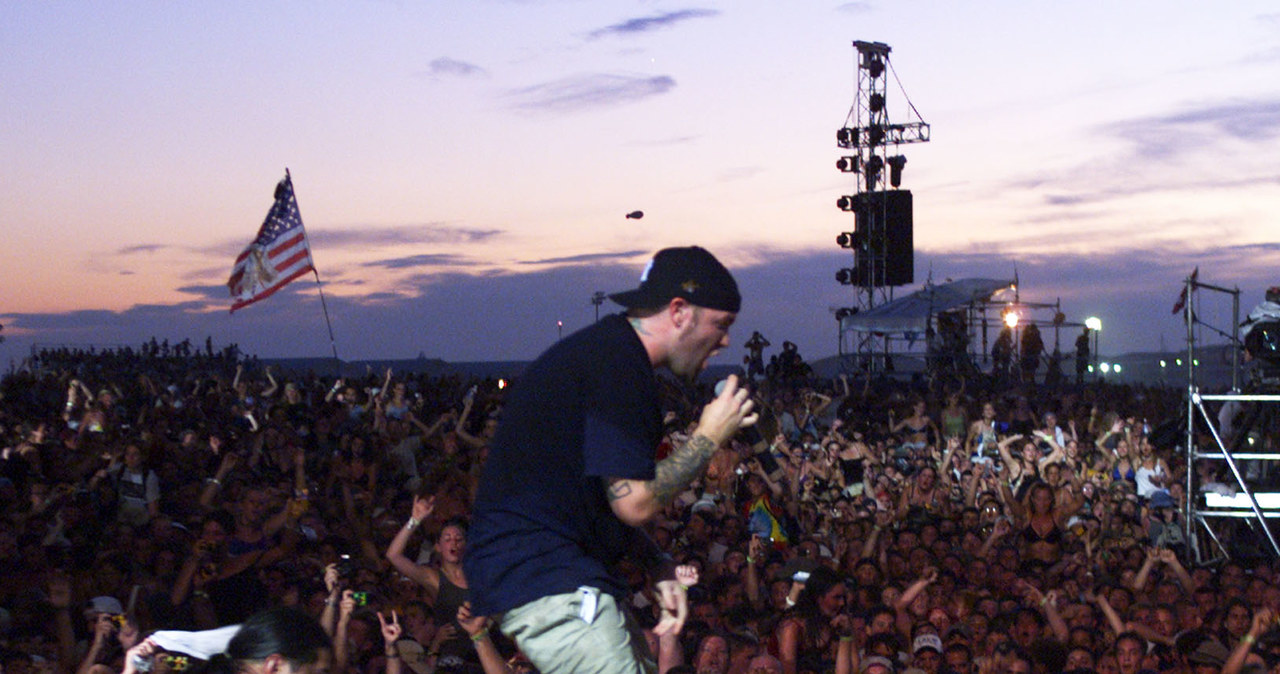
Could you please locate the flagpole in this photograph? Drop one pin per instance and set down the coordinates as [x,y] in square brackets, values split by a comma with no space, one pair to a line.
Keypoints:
[333,343]
[337,364]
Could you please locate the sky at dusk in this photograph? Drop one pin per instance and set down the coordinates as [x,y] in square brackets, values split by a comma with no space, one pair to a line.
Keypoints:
[463,168]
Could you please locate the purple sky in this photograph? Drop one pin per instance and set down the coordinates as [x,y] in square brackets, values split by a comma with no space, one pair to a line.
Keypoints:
[463,170]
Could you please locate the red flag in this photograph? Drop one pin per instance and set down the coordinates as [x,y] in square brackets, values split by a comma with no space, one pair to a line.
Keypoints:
[279,254]
[1182,296]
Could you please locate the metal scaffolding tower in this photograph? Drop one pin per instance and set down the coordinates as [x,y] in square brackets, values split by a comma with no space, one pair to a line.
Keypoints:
[881,242]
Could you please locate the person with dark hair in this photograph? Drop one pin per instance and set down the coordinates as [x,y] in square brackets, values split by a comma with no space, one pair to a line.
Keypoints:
[271,640]
[808,633]
[276,641]
[571,475]
[444,579]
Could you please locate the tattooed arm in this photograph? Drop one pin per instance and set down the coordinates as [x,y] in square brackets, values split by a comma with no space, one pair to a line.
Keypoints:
[638,501]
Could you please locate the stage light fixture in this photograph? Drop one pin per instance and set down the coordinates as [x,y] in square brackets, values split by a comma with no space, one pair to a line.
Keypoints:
[1106,367]
[844,136]
[876,102]
[845,203]
[875,135]
[872,170]
[845,312]
[847,164]
[1116,367]
[845,276]
[1011,319]
[1093,323]
[875,66]
[845,240]
[895,169]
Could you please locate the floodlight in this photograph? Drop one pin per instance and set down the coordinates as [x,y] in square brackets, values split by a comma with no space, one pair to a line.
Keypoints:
[895,169]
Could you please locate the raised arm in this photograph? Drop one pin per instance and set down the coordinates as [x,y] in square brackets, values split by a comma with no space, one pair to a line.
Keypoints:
[390,635]
[635,502]
[337,386]
[477,627]
[1262,620]
[423,575]
[471,440]
[273,388]
[1005,455]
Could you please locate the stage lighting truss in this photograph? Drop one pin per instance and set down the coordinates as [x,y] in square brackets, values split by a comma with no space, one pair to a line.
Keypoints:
[852,137]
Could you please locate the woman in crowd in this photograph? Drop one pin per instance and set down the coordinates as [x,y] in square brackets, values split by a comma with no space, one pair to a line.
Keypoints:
[918,428]
[809,635]
[443,579]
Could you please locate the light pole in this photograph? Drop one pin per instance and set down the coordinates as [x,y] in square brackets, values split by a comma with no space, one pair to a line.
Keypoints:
[597,298]
[1095,324]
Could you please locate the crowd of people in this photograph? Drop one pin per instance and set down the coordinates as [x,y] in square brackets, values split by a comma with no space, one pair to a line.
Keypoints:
[862,525]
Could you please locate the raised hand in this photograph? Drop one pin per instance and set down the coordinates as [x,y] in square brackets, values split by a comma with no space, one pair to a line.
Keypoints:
[471,624]
[728,412]
[390,630]
[331,577]
[423,507]
[674,605]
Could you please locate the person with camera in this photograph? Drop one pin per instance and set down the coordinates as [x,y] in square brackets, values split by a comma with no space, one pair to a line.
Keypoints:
[816,635]
[113,633]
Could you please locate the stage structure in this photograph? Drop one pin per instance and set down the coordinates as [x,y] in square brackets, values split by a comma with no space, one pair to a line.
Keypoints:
[881,242]
[1256,405]
[949,327]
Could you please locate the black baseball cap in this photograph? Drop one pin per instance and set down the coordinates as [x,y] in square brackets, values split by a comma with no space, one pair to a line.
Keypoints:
[690,273]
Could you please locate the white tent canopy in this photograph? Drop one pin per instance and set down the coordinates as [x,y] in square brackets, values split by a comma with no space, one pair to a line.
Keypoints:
[911,314]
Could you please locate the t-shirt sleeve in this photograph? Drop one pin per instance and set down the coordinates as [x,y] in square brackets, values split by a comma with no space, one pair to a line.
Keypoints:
[621,405]
[612,449]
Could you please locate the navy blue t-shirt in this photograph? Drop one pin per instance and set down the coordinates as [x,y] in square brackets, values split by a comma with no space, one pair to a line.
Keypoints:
[584,411]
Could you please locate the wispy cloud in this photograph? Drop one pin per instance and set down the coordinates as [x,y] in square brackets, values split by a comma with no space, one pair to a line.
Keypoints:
[144,248]
[649,23]
[1083,197]
[1169,136]
[589,91]
[451,67]
[664,142]
[739,173]
[432,233]
[370,236]
[589,257]
[854,7]
[1163,153]
[423,260]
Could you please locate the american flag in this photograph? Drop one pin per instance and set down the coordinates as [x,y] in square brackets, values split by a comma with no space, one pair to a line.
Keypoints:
[1182,296]
[278,255]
